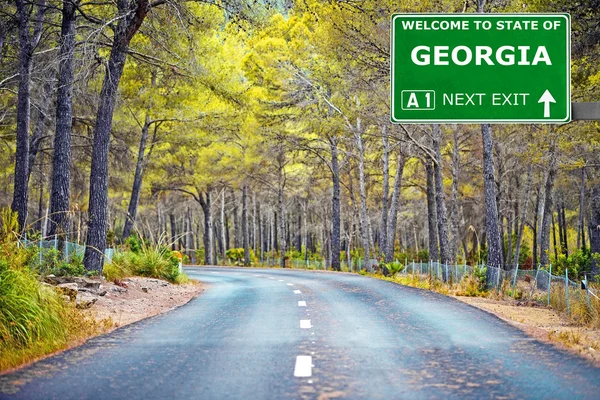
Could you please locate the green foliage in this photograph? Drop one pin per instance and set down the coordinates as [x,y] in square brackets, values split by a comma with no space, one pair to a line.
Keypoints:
[394,267]
[409,255]
[52,262]
[155,262]
[578,263]
[134,243]
[236,256]
[34,318]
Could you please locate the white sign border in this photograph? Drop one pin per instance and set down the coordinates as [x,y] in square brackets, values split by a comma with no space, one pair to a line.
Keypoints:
[566,120]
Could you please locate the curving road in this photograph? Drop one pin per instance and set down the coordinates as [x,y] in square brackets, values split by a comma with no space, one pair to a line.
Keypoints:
[290,334]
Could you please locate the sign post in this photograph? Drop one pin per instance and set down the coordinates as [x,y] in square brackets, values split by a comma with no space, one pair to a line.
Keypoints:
[480,68]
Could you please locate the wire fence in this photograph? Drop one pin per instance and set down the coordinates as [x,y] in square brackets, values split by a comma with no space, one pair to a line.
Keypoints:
[539,285]
[68,249]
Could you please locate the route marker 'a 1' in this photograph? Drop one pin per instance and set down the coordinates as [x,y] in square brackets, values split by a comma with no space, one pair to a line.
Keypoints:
[478,68]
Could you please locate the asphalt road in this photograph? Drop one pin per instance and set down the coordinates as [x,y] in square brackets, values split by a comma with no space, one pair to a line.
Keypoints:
[289,334]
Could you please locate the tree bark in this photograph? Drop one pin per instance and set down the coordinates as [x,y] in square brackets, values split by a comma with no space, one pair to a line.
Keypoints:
[594,225]
[205,202]
[223,227]
[364,224]
[442,218]
[494,240]
[131,14]
[60,191]
[454,210]
[335,207]
[548,209]
[245,236]
[523,217]
[280,204]
[432,213]
[385,195]
[173,231]
[137,181]
[395,206]
[580,225]
[27,44]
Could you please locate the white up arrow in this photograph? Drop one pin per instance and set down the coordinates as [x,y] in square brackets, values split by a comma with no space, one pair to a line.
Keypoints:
[546,99]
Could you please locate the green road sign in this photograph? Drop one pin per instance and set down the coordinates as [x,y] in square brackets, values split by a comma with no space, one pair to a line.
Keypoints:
[468,68]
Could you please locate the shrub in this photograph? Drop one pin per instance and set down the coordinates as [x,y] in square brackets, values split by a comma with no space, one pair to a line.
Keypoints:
[154,262]
[34,318]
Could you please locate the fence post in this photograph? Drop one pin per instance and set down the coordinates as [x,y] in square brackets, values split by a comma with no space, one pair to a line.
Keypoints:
[567,291]
[41,236]
[55,242]
[67,248]
[497,277]
[515,281]
[549,283]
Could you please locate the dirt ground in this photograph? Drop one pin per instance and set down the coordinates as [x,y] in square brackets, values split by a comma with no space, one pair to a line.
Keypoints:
[544,324]
[142,298]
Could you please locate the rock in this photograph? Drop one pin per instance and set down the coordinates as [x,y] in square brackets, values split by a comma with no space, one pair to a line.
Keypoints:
[79,280]
[70,290]
[118,289]
[85,300]
[121,283]
[145,289]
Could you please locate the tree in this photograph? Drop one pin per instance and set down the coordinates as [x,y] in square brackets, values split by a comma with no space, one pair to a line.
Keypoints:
[28,41]
[60,193]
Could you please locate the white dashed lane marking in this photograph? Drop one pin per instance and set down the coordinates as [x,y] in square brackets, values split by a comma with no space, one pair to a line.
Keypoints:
[303,367]
[289,284]
[297,292]
[305,324]
[301,304]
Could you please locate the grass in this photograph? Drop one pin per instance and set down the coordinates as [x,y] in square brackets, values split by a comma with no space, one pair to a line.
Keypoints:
[150,261]
[35,319]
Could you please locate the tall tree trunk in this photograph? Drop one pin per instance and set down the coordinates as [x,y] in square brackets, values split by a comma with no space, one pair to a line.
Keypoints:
[494,240]
[440,200]
[364,223]
[580,225]
[385,195]
[131,15]
[206,204]
[137,181]
[393,219]
[280,204]
[191,245]
[299,231]
[594,223]
[554,241]
[509,231]
[173,231]
[523,217]
[60,192]
[245,236]
[548,209]
[223,227]
[432,213]
[564,241]
[27,44]
[454,210]
[335,207]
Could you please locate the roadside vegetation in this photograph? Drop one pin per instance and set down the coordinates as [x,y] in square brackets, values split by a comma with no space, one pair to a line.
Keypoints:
[36,318]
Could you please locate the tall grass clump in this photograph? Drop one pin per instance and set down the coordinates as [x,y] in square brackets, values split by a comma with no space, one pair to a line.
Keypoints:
[142,259]
[34,319]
